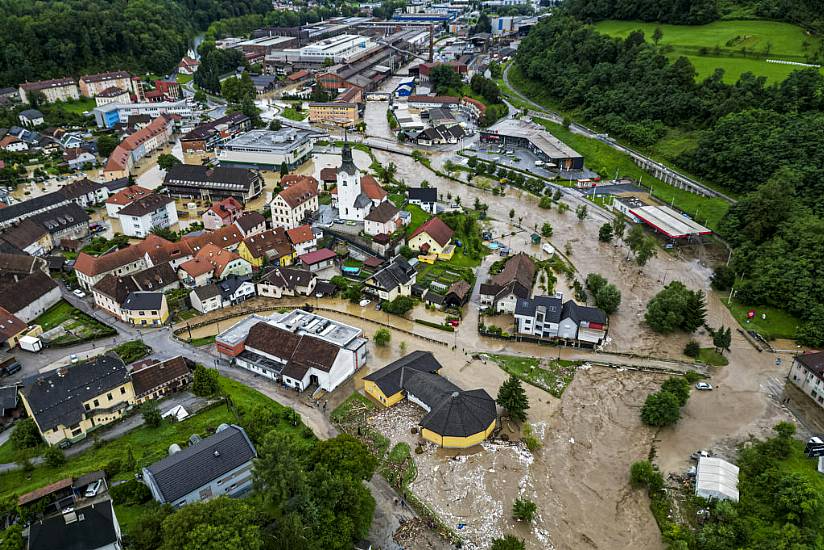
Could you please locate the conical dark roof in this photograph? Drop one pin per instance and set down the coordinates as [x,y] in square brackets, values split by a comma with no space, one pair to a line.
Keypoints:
[348,164]
[461,414]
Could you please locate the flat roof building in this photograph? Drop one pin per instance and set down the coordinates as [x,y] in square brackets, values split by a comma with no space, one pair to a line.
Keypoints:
[670,223]
[268,149]
[534,137]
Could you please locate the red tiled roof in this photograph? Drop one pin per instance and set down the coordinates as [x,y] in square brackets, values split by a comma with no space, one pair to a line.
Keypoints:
[291,179]
[209,258]
[299,193]
[297,75]
[10,325]
[372,188]
[128,195]
[301,234]
[329,174]
[317,256]
[226,208]
[436,229]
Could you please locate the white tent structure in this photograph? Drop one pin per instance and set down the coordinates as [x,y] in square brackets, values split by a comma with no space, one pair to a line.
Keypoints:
[716,479]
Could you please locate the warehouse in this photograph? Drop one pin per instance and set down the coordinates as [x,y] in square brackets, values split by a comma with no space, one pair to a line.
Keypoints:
[716,479]
[454,418]
[548,148]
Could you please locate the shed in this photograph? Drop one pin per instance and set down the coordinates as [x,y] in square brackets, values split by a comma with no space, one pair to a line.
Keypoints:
[716,479]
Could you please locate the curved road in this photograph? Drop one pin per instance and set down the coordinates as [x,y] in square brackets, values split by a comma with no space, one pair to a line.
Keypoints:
[539,111]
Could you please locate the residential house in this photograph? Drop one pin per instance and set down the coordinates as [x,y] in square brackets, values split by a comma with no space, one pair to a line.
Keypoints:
[289,180]
[208,183]
[188,65]
[291,207]
[454,418]
[384,219]
[90,269]
[31,118]
[85,192]
[587,325]
[318,260]
[145,309]
[550,317]
[125,197]
[287,281]
[16,267]
[502,291]
[440,135]
[424,197]
[212,263]
[111,292]
[10,407]
[807,373]
[219,465]
[138,218]
[297,348]
[112,94]
[209,135]
[221,213]
[57,89]
[93,84]
[269,247]
[11,330]
[30,237]
[77,158]
[92,527]
[328,176]
[29,296]
[432,237]
[303,239]
[251,223]
[68,402]
[138,145]
[395,279]
[69,221]
[228,292]
[13,144]
[154,379]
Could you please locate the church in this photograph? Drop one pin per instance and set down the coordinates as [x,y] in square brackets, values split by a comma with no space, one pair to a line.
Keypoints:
[355,195]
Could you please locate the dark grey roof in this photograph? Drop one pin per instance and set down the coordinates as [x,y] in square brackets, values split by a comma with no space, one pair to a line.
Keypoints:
[429,387]
[145,205]
[551,305]
[31,114]
[114,186]
[207,291]
[383,213]
[61,218]
[57,397]
[362,201]
[199,464]
[8,398]
[397,273]
[29,289]
[196,176]
[25,208]
[423,194]
[347,164]
[580,313]
[95,530]
[461,414]
[390,378]
[288,277]
[137,301]
[814,362]
[249,220]
[24,234]
[229,285]
[434,297]
[82,481]
[155,277]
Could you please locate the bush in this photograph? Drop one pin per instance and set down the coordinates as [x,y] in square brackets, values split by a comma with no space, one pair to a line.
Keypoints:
[129,352]
[545,202]
[595,282]
[679,387]
[113,468]
[205,382]
[151,414]
[546,230]
[605,233]
[54,457]
[131,493]
[644,474]
[661,409]
[399,305]
[532,443]
[509,542]
[25,435]
[608,298]
[382,337]
[524,510]
[692,349]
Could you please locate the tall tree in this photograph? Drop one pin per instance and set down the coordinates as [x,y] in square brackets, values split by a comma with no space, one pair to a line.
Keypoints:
[512,397]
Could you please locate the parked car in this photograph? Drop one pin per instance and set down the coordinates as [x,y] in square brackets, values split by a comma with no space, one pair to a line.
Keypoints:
[79,293]
[703,386]
[454,322]
[9,366]
[93,488]
[365,302]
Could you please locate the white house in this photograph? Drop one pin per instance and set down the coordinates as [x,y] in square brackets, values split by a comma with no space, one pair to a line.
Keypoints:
[396,279]
[424,197]
[383,219]
[303,239]
[31,118]
[287,281]
[291,206]
[549,317]
[807,373]
[212,263]
[142,215]
[228,292]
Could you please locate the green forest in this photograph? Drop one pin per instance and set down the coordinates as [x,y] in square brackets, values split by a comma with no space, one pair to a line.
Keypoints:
[762,142]
[50,39]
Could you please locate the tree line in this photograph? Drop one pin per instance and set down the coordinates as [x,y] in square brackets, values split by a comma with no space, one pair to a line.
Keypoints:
[56,38]
[678,12]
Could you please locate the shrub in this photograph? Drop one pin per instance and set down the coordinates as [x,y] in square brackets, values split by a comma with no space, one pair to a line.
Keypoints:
[661,409]
[129,352]
[692,349]
[399,305]
[382,337]
[54,457]
[205,382]
[524,510]
[151,414]
[545,202]
[25,435]
[509,542]
[131,493]
[679,387]
[113,468]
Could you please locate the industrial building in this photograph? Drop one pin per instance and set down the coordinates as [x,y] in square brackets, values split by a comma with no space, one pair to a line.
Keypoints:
[268,149]
[112,114]
[548,148]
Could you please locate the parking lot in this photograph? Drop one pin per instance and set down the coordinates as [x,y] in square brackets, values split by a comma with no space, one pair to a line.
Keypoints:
[524,159]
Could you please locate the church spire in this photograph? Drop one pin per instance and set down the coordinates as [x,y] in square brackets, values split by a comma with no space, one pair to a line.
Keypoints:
[348,165]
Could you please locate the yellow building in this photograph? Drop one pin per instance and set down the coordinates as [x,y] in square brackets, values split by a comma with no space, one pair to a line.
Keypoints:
[433,237]
[70,402]
[270,247]
[454,418]
[340,114]
[145,309]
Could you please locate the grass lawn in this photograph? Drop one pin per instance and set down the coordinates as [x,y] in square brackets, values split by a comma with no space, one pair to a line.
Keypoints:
[128,515]
[419,217]
[203,341]
[553,377]
[603,158]
[721,44]
[712,358]
[292,114]
[55,315]
[82,326]
[147,444]
[183,78]
[778,324]
[77,106]
[9,454]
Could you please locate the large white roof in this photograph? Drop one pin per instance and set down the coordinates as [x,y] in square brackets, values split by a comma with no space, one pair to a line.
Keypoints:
[716,478]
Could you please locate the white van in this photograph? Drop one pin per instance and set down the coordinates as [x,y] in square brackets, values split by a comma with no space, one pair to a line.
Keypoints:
[548,248]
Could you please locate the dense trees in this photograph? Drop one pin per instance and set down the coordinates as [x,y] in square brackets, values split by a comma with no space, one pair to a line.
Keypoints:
[445,79]
[25,435]
[213,525]
[676,307]
[606,295]
[42,39]
[679,12]
[205,381]
[663,407]
[215,63]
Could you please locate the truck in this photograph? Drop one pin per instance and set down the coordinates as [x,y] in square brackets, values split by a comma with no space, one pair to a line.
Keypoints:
[9,366]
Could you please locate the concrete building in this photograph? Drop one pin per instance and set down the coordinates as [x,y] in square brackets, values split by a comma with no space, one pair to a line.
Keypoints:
[209,135]
[112,95]
[138,218]
[93,84]
[550,317]
[69,402]
[339,114]
[57,89]
[455,418]
[297,348]
[220,465]
[268,149]
[112,114]
[136,146]
[292,206]
[807,374]
[548,148]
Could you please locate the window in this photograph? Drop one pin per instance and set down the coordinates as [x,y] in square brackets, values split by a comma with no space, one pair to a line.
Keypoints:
[109,396]
[122,391]
[96,403]
[86,406]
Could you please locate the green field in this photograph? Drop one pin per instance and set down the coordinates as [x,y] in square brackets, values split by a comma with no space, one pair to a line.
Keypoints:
[553,376]
[735,46]
[778,324]
[292,114]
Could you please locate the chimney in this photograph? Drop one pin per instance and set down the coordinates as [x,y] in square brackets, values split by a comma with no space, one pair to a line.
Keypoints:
[217,454]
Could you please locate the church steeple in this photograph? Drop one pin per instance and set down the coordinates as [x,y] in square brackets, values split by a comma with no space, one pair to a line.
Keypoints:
[348,165]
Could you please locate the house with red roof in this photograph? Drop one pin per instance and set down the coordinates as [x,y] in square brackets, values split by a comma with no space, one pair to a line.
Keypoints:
[222,213]
[212,263]
[433,237]
[303,239]
[318,260]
